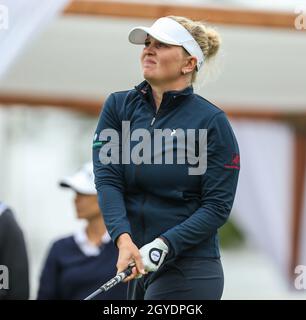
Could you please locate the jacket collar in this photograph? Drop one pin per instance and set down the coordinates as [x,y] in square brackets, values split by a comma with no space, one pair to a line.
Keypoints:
[145,91]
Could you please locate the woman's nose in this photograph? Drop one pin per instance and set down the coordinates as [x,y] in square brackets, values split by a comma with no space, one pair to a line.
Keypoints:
[149,49]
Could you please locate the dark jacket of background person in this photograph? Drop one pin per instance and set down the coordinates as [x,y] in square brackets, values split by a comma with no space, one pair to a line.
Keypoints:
[13,255]
[70,274]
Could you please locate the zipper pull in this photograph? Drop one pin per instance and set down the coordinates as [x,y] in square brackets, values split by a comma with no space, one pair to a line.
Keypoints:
[152,122]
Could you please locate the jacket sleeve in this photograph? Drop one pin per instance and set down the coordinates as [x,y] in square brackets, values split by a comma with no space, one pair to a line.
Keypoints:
[14,256]
[218,188]
[109,178]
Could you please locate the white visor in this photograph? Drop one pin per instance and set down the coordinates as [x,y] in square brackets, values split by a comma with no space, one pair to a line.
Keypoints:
[169,31]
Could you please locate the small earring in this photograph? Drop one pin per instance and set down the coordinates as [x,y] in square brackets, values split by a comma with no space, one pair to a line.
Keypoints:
[183,72]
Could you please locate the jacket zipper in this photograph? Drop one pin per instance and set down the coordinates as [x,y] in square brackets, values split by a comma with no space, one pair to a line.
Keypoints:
[155,117]
[145,194]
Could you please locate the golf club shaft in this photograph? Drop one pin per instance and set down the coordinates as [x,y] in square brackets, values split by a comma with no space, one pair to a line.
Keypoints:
[112,282]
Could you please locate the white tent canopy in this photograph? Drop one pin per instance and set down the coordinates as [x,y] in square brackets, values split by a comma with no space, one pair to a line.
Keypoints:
[21,21]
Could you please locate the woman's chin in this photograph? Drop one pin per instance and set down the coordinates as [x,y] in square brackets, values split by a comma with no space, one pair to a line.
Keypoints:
[148,72]
[149,76]
[81,215]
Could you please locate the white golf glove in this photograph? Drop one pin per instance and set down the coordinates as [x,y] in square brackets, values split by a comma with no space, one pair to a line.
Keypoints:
[153,254]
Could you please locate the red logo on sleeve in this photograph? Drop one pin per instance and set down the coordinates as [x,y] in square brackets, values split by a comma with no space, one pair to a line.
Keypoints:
[235,162]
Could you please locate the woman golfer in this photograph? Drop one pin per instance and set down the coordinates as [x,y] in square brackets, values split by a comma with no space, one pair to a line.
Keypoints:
[166,166]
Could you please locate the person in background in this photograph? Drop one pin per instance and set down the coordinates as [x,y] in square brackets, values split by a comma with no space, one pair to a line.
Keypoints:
[77,265]
[13,257]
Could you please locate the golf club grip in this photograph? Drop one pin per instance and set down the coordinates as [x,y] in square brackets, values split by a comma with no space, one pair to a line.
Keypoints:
[112,282]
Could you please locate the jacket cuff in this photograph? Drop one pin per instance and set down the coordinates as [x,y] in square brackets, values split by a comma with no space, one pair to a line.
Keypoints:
[170,254]
[115,235]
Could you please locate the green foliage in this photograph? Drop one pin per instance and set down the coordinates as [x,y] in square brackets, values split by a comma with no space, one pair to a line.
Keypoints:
[230,235]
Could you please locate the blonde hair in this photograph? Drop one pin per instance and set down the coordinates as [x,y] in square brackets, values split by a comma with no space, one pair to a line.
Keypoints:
[207,38]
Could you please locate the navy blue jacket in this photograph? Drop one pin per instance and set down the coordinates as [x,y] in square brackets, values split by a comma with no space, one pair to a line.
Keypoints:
[68,274]
[151,200]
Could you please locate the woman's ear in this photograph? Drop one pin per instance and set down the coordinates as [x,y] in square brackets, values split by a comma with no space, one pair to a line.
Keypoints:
[190,65]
